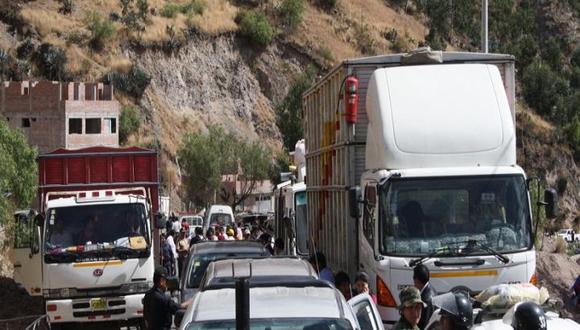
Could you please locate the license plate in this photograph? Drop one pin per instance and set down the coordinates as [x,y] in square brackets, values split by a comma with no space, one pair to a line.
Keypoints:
[98,304]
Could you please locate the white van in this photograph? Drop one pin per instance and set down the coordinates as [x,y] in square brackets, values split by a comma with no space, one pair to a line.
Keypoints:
[219,215]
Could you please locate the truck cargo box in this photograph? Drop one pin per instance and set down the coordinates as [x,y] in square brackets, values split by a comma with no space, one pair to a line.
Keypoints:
[335,149]
[98,168]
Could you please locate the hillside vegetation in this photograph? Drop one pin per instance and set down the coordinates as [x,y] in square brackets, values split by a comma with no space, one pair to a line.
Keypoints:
[186,65]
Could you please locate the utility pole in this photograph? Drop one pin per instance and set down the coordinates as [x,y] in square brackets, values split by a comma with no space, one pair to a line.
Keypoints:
[484,37]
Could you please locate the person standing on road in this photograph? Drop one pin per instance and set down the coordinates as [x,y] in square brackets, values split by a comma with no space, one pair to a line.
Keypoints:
[171,243]
[182,250]
[158,307]
[342,282]
[166,255]
[410,309]
[361,283]
[198,236]
[421,279]
[318,261]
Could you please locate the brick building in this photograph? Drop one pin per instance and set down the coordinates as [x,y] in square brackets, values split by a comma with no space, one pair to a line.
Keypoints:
[56,115]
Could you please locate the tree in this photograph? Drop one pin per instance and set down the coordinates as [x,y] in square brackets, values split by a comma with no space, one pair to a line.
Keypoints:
[18,173]
[205,158]
[289,112]
[129,122]
[51,62]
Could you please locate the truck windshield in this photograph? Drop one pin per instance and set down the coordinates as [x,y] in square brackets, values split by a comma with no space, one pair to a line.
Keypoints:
[220,219]
[425,215]
[96,227]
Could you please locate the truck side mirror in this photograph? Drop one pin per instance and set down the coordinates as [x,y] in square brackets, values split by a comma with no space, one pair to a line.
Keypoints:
[160,221]
[39,220]
[551,202]
[354,201]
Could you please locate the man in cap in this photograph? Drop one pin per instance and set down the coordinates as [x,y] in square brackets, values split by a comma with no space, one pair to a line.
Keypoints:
[410,309]
[158,307]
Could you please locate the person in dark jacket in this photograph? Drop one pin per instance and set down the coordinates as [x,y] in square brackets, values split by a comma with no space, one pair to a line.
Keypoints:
[158,307]
[167,259]
[421,279]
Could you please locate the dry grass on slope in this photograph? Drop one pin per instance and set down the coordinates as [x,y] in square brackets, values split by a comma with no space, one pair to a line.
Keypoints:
[217,18]
[355,28]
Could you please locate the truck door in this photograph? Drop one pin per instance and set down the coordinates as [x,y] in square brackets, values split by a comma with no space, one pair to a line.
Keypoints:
[367,229]
[366,312]
[25,255]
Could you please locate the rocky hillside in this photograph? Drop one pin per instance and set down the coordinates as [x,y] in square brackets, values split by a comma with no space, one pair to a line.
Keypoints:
[202,62]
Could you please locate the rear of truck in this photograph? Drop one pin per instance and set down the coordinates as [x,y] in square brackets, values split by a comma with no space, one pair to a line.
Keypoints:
[99,240]
[394,169]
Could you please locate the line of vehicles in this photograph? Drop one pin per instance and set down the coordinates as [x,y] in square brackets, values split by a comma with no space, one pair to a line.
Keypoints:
[407,159]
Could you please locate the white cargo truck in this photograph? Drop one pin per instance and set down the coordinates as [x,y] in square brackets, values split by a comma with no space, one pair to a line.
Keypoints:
[424,145]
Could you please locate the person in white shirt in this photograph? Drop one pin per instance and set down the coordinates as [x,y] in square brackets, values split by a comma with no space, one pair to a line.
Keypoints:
[61,236]
[171,244]
[176,227]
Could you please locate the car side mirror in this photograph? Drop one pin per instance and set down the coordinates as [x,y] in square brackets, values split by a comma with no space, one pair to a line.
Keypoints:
[179,317]
[172,283]
[160,221]
[551,203]
[354,201]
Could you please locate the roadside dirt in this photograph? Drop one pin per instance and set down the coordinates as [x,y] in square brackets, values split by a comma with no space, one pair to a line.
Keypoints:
[557,273]
[17,309]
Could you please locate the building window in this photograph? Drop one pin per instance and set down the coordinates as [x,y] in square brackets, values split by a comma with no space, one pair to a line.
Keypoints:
[25,91]
[111,125]
[75,126]
[25,122]
[93,126]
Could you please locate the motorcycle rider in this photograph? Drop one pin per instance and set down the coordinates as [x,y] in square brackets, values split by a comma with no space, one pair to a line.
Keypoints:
[456,311]
[529,316]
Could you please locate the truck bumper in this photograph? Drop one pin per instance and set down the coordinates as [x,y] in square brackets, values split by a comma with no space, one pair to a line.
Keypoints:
[79,310]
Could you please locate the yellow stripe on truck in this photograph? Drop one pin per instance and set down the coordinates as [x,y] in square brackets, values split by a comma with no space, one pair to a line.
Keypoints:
[98,263]
[465,274]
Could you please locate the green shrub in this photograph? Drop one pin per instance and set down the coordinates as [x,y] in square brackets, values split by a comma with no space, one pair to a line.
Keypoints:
[25,49]
[552,54]
[391,34]
[101,30]
[129,122]
[327,4]
[197,6]
[170,10]
[562,184]
[365,42]
[50,61]
[572,132]
[255,26]
[133,83]
[544,90]
[67,7]
[291,12]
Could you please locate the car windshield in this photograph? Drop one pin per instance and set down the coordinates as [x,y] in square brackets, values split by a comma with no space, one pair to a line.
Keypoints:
[425,215]
[295,323]
[93,226]
[220,219]
[563,231]
[198,264]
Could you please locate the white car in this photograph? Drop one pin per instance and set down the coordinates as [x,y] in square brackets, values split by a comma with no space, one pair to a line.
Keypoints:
[314,306]
[569,235]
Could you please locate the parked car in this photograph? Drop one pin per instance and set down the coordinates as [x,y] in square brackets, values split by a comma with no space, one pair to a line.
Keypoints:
[569,235]
[202,254]
[283,305]
[221,273]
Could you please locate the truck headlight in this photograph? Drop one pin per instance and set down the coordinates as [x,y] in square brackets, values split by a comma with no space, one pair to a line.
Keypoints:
[139,287]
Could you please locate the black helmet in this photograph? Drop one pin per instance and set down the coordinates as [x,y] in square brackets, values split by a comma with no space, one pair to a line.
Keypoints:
[529,316]
[457,306]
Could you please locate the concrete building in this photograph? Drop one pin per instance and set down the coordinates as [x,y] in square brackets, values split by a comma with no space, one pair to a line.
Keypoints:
[259,199]
[56,115]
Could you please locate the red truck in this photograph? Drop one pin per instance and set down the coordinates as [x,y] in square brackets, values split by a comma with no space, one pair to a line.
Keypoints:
[90,251]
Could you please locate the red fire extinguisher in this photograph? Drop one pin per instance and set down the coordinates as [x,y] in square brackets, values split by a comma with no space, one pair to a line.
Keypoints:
[351,100]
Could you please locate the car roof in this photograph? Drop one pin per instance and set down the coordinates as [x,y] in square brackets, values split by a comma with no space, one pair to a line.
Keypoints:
[270,302]
[270,266]
[237,247]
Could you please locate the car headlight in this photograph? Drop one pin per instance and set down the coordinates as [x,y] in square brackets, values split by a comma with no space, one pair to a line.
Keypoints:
[139,287]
